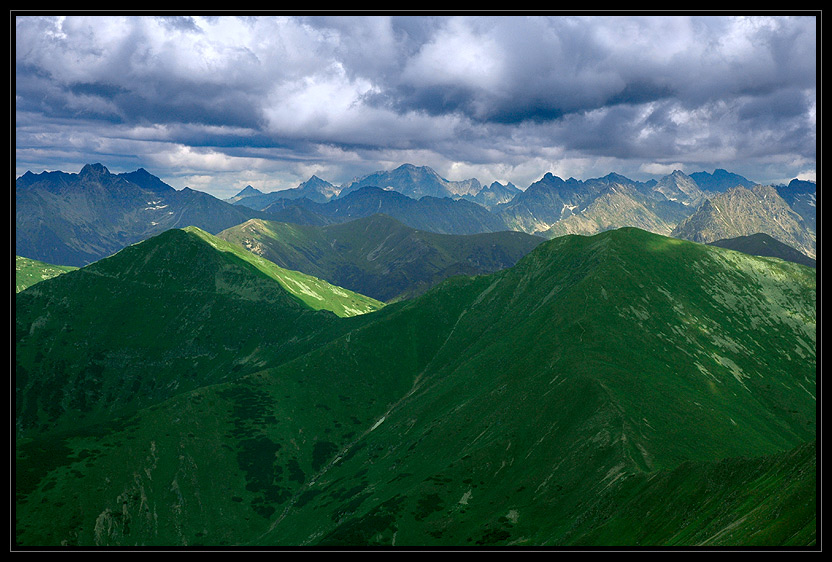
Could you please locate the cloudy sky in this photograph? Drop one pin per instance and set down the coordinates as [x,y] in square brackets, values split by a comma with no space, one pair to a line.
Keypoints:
[220,102]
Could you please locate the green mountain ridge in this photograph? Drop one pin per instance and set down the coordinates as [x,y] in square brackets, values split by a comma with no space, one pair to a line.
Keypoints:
[315,293]
[379,256]
[578,397]
[152,321]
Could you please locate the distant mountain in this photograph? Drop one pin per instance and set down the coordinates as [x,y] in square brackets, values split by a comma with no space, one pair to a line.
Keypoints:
[415,182]
[28,272]
[554,207]
[172,313]
[315,189]
[801,195]
[623,389]
[432,214]
[494,194]
[247,191]
[75,219]
[616,206]
[379,256]
[764,245]
[720,181]
[545,202]
[677,186]
[744,211]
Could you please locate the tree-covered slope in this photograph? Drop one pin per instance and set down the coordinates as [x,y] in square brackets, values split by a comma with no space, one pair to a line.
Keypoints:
[545,404]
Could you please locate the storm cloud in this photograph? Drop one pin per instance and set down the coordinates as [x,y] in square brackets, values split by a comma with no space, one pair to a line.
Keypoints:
[218,102]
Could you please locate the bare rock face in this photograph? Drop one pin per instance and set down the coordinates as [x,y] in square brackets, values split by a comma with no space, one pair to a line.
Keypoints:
[742,211]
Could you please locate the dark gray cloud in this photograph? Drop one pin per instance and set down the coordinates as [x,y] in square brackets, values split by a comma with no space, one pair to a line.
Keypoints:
[220,101]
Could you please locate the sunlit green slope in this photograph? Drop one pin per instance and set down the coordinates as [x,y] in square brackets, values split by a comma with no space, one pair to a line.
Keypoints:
[315,293]
[378,255]
[624,388]
[28,272]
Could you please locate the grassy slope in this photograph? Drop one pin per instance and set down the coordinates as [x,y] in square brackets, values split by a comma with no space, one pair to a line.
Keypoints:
[523,407]
[378,255]
[315,293]
[158,318]
[769,500]
[520,426]
[28,272]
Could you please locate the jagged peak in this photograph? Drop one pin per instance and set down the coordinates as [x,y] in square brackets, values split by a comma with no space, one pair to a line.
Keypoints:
[249,190]
[96,169]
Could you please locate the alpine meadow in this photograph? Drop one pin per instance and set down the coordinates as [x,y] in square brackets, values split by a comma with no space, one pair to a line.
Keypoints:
[386,282]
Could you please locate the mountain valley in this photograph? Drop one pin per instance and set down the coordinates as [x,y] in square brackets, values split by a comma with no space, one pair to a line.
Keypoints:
[582,363]
[555,402]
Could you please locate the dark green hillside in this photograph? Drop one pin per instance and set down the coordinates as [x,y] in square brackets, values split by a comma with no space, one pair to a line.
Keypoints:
[769,500]
[378,256]
[176,312]
[614,355]
[556,402]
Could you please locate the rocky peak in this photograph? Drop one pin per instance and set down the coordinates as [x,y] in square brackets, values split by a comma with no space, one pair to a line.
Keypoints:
[94,170]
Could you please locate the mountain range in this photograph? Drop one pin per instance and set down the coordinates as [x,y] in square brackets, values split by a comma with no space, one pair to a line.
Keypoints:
[742,211]
[415,182]
[433,214]
[75,219]
[315,189]
[406,361]
[624,388]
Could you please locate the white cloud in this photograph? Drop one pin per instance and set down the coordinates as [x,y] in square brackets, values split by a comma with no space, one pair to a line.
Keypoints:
[492,95]
[458,55]
[658,169]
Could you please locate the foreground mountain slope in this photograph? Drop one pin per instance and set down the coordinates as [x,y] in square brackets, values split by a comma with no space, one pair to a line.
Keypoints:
[378,256]
[175,312]
[762,501]
[618,364]
[529,407]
